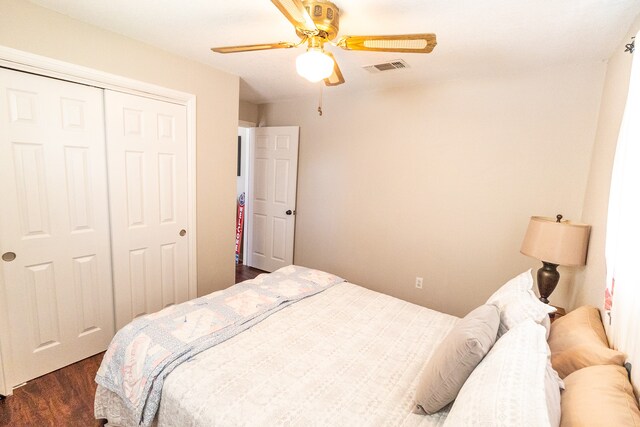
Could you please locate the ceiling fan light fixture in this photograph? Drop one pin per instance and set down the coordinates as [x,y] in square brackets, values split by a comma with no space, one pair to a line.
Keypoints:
[314,65]
[316,23]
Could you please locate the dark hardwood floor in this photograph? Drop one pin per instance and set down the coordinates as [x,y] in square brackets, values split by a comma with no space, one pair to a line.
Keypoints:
[245,273]
[65,397]
[61,398]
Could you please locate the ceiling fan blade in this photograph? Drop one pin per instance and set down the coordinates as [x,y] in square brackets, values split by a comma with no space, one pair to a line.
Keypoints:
[297,14]
[410,43]
[336,77]
[252,47]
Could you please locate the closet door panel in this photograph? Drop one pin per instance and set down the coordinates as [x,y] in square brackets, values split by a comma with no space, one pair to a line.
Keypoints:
[54,218]
[147,158]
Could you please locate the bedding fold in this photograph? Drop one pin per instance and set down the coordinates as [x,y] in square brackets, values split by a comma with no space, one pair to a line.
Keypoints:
[145,351]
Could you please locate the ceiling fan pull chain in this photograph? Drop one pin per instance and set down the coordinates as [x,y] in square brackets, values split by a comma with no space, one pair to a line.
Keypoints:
[320,102]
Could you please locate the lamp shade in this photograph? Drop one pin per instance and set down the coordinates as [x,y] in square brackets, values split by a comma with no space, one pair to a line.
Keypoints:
[562,243]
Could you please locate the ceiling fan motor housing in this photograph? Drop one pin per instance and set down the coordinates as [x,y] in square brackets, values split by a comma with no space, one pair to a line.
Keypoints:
[325,15]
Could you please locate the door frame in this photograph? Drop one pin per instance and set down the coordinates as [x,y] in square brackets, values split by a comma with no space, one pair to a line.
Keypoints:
[248,210]
[41,65]
[247,126]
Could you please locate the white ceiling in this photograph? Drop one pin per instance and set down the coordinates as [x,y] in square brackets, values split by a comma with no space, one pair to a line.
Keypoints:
[475,38]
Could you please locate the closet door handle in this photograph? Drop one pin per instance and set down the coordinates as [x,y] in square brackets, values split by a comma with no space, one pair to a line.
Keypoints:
[182,232]
[8,256]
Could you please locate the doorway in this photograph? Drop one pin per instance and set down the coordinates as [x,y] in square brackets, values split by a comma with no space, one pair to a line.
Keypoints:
[242,185]
[269,163]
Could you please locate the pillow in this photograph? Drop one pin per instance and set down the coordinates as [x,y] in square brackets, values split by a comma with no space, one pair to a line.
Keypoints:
[546,322]
[517,302]
[455,358]
[523,282]
[552,386]
[509,386]
[597,396]
[578,340]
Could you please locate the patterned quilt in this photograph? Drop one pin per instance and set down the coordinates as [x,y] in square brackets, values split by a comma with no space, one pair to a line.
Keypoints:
[145,351]
[348,356]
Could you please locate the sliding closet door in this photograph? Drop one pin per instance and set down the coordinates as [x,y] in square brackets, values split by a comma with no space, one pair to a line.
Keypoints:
[147,162]
[54,226]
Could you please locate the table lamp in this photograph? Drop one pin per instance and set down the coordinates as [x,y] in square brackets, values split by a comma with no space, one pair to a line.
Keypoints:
[555,242]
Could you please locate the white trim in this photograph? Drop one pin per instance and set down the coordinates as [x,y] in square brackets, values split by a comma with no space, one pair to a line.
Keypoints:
[248,201]
[191,196]
[245,159]
[247,126]
[49,67]
[5,343]
[2,385]
[36,64]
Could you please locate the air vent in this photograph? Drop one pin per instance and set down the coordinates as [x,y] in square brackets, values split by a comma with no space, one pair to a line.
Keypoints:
[386,66]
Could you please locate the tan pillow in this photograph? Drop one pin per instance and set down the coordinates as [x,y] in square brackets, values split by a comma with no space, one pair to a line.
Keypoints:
[578,340]
[599,396]
[455,358]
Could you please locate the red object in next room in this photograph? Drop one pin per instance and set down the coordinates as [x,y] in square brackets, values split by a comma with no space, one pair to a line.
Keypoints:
[239,226]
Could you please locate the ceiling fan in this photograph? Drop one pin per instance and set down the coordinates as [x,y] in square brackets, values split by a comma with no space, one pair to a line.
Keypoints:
[317,23]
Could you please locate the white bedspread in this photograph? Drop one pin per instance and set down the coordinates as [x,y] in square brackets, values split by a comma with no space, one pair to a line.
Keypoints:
[348,356]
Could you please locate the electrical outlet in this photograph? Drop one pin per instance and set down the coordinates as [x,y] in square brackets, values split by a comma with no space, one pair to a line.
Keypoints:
[419,282]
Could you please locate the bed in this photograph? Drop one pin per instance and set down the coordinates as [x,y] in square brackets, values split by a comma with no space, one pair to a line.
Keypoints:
[345,356]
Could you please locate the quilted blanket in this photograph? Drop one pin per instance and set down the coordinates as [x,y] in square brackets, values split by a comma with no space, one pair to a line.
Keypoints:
[145,351]
[345,357]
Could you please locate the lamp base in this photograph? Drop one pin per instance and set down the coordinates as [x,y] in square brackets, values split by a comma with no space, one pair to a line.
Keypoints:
[548,277]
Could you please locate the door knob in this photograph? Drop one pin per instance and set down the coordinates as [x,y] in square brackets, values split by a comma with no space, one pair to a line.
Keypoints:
[290,212]
[183,232]
[8,256]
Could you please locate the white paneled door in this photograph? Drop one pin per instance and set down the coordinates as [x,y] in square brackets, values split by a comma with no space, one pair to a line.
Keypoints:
[272,192]
[54,226]
[147,161]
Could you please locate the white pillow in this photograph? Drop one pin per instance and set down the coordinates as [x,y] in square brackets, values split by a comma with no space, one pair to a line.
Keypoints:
[517,302]
[523,282]
[511,386]
[552,386]
[455,358]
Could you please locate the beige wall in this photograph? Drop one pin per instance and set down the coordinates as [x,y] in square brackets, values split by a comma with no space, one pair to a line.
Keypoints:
[439,181]
[248,112]
[591,282]
[33,29]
